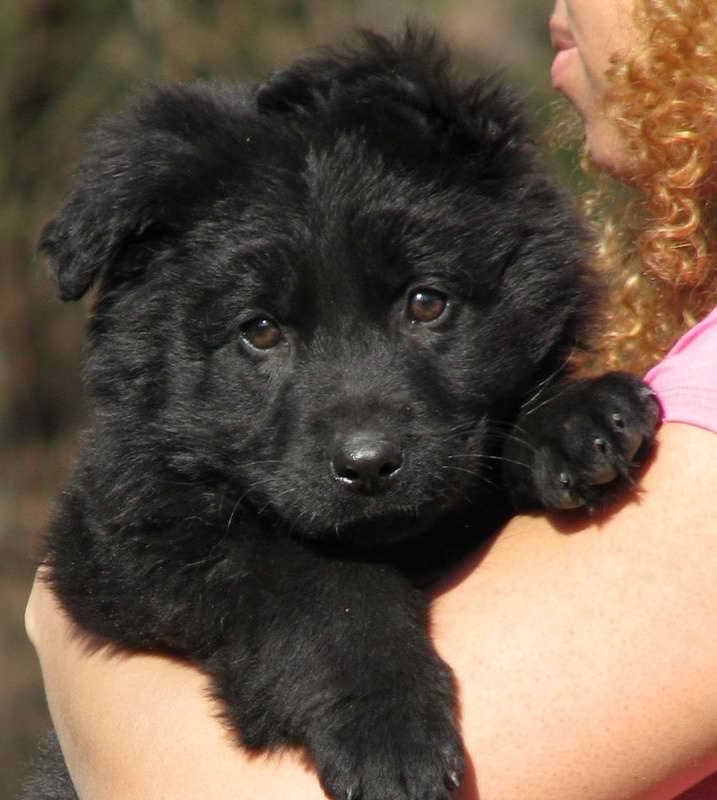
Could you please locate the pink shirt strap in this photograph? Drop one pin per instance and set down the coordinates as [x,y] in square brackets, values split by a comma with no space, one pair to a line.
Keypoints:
[686,379]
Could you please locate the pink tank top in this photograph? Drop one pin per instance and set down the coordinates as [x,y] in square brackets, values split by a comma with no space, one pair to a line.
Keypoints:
[686,379]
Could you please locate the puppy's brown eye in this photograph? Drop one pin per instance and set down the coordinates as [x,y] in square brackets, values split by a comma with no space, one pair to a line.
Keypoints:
[262,333]
[426,305]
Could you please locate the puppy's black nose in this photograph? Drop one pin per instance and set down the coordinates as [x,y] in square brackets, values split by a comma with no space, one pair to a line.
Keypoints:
[366,461]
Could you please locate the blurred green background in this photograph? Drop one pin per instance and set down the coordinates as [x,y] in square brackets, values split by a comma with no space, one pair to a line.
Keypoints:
[63,63]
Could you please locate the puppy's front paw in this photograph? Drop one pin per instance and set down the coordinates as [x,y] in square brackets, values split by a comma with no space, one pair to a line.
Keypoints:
[407,752]
[589,438]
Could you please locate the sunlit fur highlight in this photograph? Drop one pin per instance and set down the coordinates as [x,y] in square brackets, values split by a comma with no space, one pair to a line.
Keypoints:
[659,240]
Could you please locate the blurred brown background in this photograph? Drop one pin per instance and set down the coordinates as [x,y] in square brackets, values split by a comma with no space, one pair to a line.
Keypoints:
[62,64]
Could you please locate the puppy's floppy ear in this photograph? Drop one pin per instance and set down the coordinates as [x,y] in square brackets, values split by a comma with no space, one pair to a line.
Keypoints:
[401,92]
[101,217]
[116,200]
[144,171]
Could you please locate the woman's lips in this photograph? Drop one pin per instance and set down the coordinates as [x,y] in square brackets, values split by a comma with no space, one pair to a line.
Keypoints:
[562,57]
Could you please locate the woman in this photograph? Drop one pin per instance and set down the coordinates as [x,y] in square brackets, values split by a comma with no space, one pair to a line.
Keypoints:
[586,664]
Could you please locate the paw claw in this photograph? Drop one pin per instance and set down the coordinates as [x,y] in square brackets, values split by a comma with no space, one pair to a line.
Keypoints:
[453,780]
[618,421]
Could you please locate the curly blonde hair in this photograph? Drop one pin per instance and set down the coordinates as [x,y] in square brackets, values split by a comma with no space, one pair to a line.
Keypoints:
[660,245]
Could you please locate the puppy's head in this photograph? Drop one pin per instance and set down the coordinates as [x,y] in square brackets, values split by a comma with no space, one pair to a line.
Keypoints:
[319,296]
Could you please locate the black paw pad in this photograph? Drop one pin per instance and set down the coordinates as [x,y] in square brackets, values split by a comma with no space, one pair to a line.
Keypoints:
[590,438]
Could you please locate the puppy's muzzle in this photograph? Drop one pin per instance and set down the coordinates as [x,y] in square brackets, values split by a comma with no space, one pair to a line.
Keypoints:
[366,462]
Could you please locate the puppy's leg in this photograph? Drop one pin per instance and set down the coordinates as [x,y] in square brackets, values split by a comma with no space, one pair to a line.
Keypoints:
[50,779]
[323,653]
[333,656]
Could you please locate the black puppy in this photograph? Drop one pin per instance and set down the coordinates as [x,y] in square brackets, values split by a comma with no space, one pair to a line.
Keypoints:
[328,349]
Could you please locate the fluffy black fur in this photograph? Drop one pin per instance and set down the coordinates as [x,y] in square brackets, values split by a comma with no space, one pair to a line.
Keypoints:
[328,351]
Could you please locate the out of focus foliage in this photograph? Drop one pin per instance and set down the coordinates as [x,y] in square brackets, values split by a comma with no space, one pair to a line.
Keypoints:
[63,63]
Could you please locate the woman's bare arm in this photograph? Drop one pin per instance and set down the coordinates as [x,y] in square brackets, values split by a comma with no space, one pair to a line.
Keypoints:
[591,671]
[586,659]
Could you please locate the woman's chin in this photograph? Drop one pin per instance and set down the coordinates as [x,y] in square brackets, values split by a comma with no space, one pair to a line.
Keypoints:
[607,150]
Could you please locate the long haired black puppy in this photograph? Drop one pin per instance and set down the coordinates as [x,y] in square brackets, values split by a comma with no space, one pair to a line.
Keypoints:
[328,351]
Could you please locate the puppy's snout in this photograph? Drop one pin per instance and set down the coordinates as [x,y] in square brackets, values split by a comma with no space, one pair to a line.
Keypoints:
[366,461]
